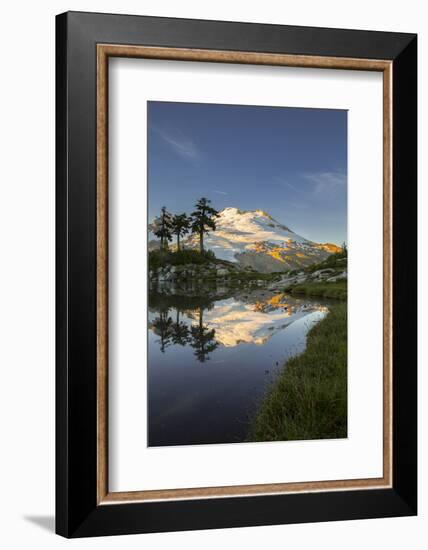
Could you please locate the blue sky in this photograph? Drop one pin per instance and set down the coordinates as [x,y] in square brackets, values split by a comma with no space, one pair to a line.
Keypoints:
[290,162]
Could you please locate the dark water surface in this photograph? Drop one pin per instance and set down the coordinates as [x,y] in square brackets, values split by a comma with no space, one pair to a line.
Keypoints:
[211,359]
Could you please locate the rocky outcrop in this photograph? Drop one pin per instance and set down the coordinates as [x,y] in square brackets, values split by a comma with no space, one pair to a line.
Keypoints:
[327,275]
[202,272]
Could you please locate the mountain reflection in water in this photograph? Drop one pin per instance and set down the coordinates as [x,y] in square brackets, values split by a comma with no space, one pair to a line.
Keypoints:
[246,337]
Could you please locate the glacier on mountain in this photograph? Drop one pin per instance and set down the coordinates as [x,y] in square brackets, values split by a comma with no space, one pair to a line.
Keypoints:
[254,239]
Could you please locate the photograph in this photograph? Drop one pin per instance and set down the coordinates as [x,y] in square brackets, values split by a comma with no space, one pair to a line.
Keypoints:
[247,273]
[212,301]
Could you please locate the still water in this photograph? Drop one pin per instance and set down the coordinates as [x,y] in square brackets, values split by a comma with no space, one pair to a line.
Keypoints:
[211,359]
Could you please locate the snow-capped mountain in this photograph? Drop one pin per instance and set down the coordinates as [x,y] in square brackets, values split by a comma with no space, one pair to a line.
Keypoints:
[236,322]
[240,231]
[254,239]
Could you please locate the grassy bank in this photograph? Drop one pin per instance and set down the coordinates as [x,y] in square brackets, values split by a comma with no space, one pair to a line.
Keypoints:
[204,266]
[162,258]
[309,398]
[338,290]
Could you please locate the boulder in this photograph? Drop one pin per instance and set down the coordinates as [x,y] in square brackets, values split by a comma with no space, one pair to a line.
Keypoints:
[322,273]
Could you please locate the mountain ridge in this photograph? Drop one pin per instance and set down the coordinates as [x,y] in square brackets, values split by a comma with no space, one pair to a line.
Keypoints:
[254,239]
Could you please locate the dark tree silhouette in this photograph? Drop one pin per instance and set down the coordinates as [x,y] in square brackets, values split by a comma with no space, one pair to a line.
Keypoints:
[177,332]
[180,226]
[202,339]
[163,327]
[180,335]
[203,220]
[162,228]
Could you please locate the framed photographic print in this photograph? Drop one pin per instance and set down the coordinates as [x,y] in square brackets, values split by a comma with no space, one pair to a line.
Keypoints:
[236,274]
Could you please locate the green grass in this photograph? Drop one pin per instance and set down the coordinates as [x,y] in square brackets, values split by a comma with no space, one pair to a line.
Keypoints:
[309,398]
[337,261]
[337,290]
[161,258]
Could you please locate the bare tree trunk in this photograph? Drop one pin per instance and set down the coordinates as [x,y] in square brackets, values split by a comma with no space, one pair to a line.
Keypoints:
[178,242]
[201,242]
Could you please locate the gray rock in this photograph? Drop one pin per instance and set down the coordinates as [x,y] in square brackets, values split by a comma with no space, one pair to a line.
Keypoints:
[343,275]
[321,273]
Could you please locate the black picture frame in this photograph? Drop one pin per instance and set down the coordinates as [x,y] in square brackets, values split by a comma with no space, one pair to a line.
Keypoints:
[77,512]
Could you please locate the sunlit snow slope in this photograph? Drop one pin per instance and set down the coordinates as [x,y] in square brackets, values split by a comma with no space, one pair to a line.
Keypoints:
[254,239]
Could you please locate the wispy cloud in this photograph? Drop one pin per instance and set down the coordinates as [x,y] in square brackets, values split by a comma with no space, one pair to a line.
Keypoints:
[326,182]
[283,182]
[289,185]
[179,143]
[220,192]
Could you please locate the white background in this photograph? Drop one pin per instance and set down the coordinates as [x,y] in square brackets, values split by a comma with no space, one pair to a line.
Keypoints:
[27,273]
[132,82]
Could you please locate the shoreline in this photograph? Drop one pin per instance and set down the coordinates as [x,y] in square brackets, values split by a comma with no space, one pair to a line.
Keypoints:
[308,400]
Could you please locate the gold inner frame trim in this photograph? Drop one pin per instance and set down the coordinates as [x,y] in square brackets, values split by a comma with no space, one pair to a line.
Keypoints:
[104,51]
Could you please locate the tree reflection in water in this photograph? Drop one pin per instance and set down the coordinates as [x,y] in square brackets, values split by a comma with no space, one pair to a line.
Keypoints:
[162,327]
[198,336]
[211,358]
[202,339]
[229,320]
